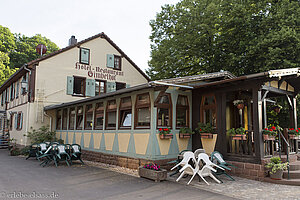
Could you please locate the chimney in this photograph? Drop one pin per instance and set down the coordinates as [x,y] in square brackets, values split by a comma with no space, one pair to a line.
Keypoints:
[72,40]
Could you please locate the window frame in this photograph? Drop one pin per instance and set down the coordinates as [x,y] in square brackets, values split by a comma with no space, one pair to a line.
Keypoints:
[165,106]
[108,110]
[98,80]
[213,107]
[70,114]
[80,54]
[85,118]
[120,62]
[120,84]
[64,117]
[187,110]
[82,114]
[141,105]
[99,110]
[123,108]
[19,118]
[84,86]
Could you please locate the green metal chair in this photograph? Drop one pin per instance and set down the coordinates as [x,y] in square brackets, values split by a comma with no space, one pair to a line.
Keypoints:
[61,154]
[76,153]
[217,158]
[41,149]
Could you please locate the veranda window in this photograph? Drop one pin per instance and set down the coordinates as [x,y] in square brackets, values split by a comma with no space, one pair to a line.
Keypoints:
[58,119]
[99,116]
[65,119]
[182,111]
[208,110]
[142,110]
[79,118]
[125,112]
[88,117]
[111,114]
[164,110]
[71,118]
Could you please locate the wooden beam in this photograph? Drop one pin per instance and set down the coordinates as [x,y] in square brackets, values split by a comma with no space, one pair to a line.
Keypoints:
[276,90]
[290,102]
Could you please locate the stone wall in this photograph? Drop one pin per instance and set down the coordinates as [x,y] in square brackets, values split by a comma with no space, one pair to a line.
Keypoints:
[131,163]
[248,170]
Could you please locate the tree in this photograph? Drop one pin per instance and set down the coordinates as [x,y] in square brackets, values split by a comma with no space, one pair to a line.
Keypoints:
[241,36]
[20,48]
[5,71]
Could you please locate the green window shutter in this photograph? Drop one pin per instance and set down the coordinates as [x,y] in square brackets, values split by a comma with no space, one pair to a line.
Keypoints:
[127,85]
[90,87]
[110,87]
[16,121]
[27,80]
[70,83]
[21,120]
[2,98]
[7,95]
[110,60]
[17,91]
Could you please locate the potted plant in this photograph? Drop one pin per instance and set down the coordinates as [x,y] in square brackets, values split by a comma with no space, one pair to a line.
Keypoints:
[239,103]
[294,133]
[13,149]
[165,133]
[269,133]
[185,132]
[237,133]
[276,168]
[205,130]
[152,171]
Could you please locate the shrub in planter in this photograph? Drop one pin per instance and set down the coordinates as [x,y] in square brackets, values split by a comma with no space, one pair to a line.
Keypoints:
[152,171]
[205,130]
[294,133]
[237,133]
[185,132]
[269,133]
[165,133]
[276,167]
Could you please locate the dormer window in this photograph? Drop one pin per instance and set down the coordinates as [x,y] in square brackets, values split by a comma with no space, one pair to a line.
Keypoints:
[84,56]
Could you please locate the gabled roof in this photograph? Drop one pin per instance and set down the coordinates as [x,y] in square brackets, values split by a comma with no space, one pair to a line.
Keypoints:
[16,75]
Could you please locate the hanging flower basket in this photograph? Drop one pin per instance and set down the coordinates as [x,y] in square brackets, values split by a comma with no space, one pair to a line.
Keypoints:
[239,104]
[277,108]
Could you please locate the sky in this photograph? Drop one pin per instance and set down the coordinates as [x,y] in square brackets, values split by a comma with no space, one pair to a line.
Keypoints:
[126,22]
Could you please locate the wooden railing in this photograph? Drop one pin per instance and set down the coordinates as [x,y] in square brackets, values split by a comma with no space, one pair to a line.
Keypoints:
[242,144]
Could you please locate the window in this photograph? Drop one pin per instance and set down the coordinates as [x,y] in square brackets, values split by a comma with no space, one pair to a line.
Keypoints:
[125,112]
[164,109]
[19,121]
[79,86]
[182,111]
[111,114]
[17,89]
[65,119]
[71,118]
[142,110]
[99,115]
[208,110]
[25,86]
[100,87]
[58,119]
[120,86]
[2,98]
[117,62]
[84,56]
[79,118]
[12,91]
[88,117]
[11,121]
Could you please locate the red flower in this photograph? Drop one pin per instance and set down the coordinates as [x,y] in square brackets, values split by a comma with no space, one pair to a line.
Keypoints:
[297,130]
[292,129]
[200,129]
[160,129]
[167,129]
[266,128]
[273,127]
[270,129]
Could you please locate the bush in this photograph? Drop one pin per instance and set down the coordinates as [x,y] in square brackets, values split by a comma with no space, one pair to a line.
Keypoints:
[276,164]
[43,134]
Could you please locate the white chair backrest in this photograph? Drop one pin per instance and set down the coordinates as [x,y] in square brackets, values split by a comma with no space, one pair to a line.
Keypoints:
[76,148]
[198,151]
[219,157]
[205,158]
[61,148]
[43,146]
[187,156]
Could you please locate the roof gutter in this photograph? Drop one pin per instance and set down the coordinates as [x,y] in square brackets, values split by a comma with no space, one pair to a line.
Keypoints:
[170,84]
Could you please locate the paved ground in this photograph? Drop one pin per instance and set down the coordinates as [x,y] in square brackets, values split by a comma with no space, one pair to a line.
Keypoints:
[20,178]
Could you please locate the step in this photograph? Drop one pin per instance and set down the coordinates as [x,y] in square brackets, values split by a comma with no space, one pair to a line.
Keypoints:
[293,174]
[294,166]
[283,181]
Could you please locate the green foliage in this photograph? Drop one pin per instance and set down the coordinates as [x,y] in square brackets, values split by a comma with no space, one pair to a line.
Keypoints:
[244,37]
[20,48]
[43,134]
[186,130]
[205,128]
[276,164]
[5,70]
[236,131]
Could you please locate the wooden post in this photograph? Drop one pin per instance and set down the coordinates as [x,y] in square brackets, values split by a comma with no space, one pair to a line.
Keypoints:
[295,119]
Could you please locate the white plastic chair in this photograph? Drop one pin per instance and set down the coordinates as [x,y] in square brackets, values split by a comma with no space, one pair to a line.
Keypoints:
[207,169]
[186,167]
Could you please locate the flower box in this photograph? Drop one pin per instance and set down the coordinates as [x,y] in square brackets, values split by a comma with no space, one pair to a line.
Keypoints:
[166,136]
[206,135]
[268,137]
[240,106]
[157,176]
[239,137]
[293,137]
[184,135]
